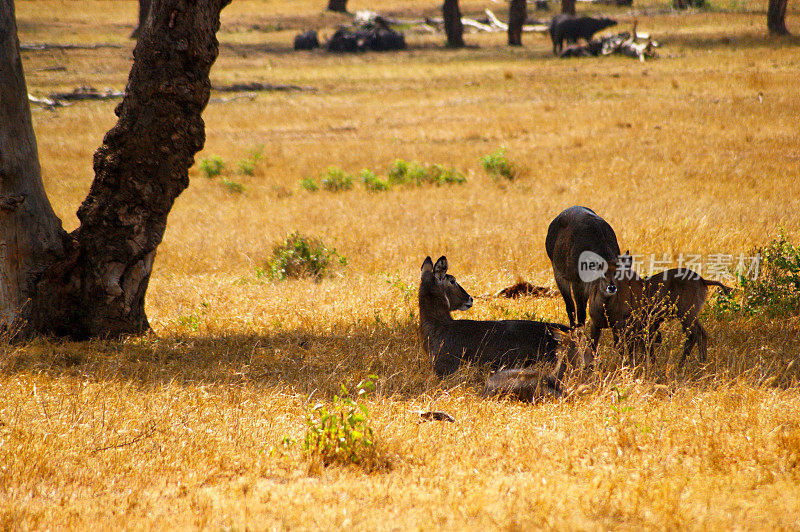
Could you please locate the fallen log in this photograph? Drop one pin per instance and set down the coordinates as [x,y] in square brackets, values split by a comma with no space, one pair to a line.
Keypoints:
[256,86]
[502,26]
[57,46]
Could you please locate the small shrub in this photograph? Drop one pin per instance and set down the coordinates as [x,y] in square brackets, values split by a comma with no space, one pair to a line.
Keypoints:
[398,172]
[232,186]
[776,290]
[439,175]
[497,165]
[247,167]
[309,184]
[336,180]
[300,256]
[403,173]
[372,182]
[341,434]
[212,166]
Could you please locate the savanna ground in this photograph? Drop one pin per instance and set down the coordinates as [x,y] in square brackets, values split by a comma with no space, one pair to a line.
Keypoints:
[695,152]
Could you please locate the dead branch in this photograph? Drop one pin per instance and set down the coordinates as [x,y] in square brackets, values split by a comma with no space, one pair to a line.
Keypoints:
[56,46]
[256,86]
[502,26]
[143,436]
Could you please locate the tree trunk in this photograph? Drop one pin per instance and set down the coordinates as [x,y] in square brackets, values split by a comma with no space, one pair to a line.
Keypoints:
[93,281]
[517,13]
[568,7]
[339,6]
[144,10]
[452,24]
[30,233]
[776,17]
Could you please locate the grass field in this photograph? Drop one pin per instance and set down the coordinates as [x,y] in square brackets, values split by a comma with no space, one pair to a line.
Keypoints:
[696,152]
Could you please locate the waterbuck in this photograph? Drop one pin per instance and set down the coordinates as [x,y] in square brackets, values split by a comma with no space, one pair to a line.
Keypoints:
[576,238]
[497,344]
[636,308]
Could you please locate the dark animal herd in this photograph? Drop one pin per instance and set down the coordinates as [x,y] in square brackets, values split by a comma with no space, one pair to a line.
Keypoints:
[618,299]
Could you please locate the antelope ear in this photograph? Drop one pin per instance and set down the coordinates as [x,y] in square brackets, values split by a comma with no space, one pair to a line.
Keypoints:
[557,334]
[427,265]
[440,268]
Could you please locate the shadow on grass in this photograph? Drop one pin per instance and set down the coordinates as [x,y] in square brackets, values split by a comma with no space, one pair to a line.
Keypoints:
[737,41]
[297,361]
[311,362]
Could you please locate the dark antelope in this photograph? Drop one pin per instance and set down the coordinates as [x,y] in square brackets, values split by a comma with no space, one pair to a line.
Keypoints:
[497,344]
[635,308]
[572,233]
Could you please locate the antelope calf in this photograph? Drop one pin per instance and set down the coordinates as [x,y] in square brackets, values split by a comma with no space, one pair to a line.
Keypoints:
[528,384]
[497,344]
[625,300]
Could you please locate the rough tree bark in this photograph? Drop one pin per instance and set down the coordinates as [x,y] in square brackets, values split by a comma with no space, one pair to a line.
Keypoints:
[452,24]
[92,282]
[339,6]
[144,10]
[517,13]
[776,17]
[568,7]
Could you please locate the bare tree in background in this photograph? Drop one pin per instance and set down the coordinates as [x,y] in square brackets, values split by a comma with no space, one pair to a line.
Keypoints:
[517,13]
[568,7]
[92,282]
[144,10]
[776,17]
[452,24]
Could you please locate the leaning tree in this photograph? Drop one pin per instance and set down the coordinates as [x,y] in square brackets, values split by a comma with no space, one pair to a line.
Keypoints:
[92,282]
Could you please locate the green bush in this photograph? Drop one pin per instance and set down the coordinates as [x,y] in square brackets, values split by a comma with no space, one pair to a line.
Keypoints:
[212,166]
[232,186]
[342,434]
[309,184]
[776,290]
[439,175]
[248,166]
[300,256]
[497,165]
[413,173]
[336,180]
[372,182]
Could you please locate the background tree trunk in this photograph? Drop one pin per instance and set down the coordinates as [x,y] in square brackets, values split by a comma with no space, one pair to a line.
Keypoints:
[30,233]
[339,6]
[517,13]
[95,283]
[568,7]
[776,17]
[452,24]
[144,10]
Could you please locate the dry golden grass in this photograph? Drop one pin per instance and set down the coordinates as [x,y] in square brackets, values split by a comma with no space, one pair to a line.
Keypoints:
[694,152]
